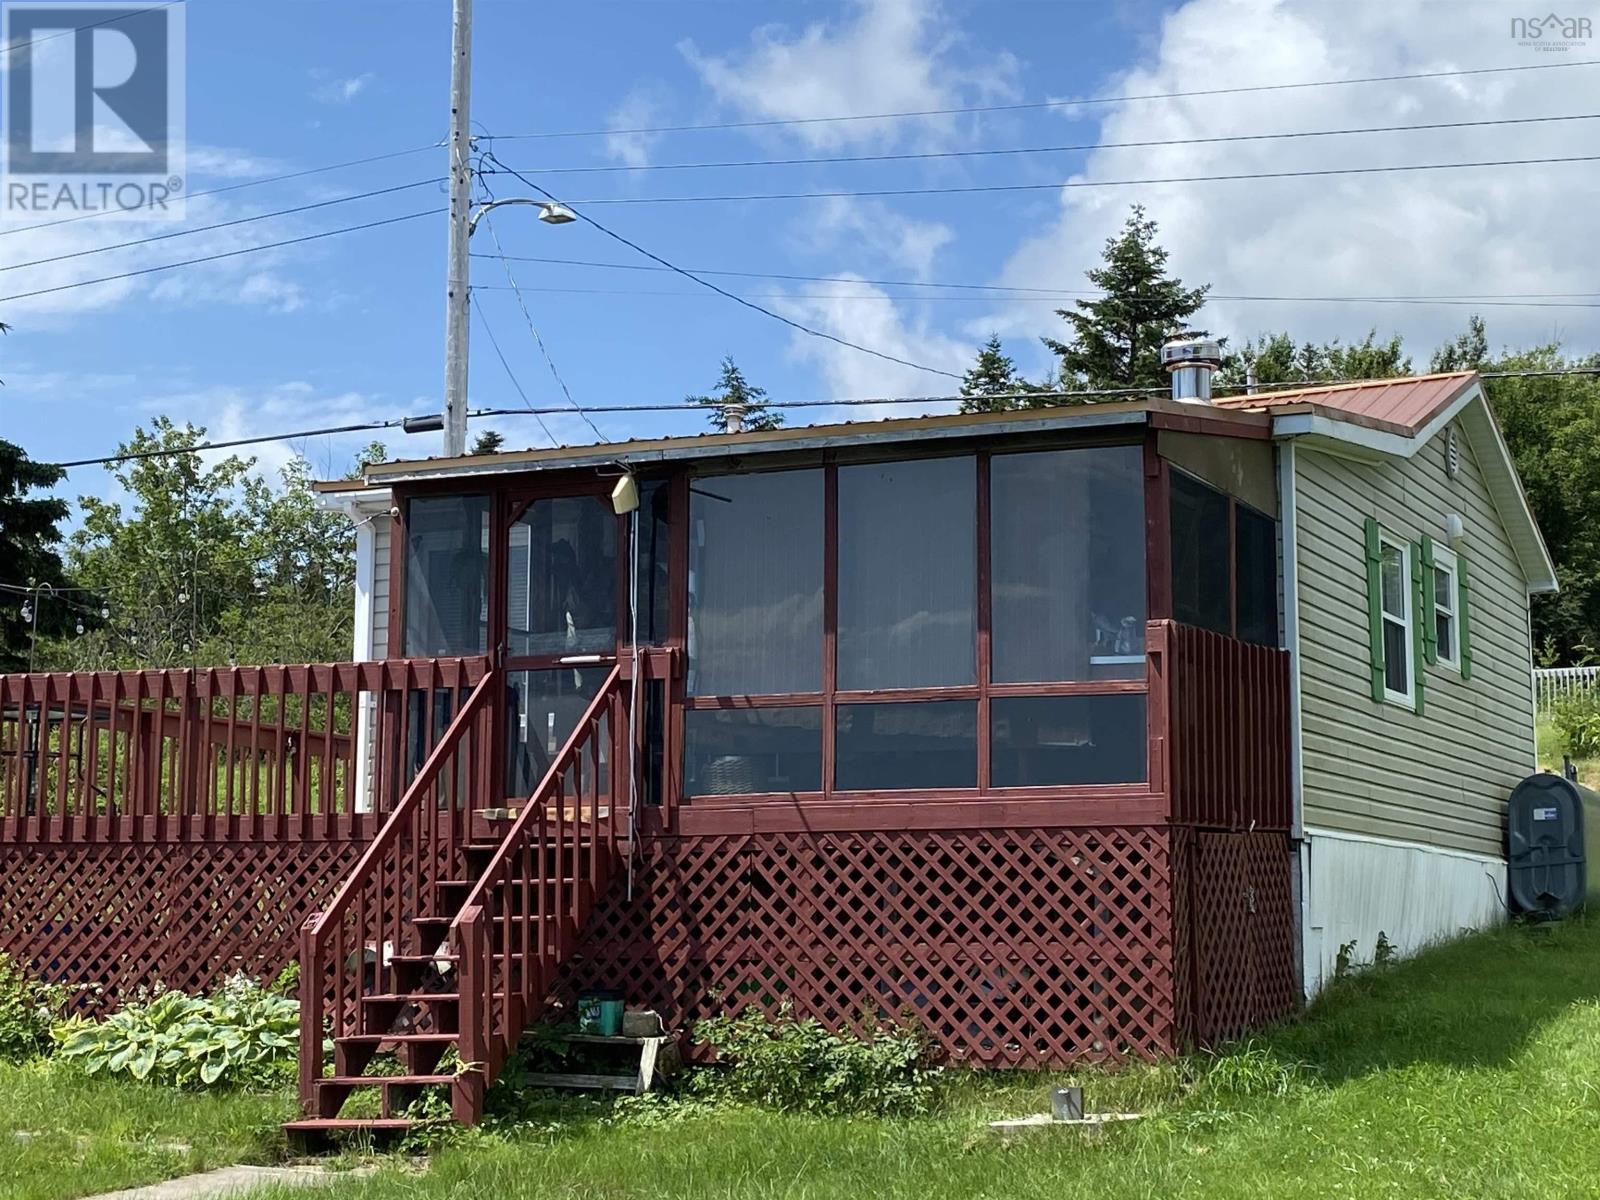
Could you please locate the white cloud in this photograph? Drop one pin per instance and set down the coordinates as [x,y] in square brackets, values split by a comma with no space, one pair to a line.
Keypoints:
[333,90]
[886,56]
[878,323]
[641,107]
[869,229]
[1486,230]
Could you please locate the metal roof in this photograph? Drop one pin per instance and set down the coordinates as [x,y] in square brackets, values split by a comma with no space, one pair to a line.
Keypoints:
[1408,403]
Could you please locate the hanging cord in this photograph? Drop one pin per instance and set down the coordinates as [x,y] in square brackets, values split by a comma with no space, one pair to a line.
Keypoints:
[633,695]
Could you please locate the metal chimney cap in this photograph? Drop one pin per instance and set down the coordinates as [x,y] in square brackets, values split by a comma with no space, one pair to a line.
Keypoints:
[1191,352]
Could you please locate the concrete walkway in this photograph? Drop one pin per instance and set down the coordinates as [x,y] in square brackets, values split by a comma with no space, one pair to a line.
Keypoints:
[228,1181]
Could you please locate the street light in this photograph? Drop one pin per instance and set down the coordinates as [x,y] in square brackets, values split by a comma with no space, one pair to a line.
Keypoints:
[551,212]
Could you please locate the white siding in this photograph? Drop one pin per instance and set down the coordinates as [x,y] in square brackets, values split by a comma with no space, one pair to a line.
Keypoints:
[380,587]
[1441,778]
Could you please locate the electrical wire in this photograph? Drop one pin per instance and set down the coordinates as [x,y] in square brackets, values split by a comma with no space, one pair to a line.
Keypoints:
[1048,104]
[987,188]
[232,443]
[483,319]
[534,329]
[1006,289]
[8,49]
[970,299]
[206,258]
[217,191]
[282,212]
[923,156]
[737,299]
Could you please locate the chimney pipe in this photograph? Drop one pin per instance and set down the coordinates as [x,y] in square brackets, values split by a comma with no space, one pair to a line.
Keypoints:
[1190,360]
[733,417]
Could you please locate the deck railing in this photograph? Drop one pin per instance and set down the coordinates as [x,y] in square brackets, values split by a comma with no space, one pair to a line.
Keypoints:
[1228,752]
[217,753]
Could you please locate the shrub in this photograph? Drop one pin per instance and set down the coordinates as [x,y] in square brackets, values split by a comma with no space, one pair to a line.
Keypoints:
[1577,723]
[798,1066]
[27,1010]
[240,1035]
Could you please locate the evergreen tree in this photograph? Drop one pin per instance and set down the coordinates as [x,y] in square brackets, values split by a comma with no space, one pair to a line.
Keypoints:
[489,442]
[1277,359]
[1117,337]
[991,384]
[734,388]
[29,534]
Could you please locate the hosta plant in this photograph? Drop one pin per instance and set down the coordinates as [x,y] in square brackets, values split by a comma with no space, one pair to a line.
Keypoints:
[239,1035]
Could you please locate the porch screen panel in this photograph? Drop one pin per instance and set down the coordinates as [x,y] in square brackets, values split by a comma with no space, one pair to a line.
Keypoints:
[735,751]
[447,576]
[917,744]
[1201,564]
[1039,741]
[908,612]
[542,710]
[755,584]
[1067,564]
[561,578]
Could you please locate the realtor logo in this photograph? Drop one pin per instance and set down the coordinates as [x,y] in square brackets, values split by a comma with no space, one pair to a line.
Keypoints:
[94,108]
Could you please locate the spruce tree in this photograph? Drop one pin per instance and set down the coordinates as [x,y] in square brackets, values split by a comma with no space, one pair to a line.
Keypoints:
[1116,337]
[489,442]
[991,384]
[734,388]
[29,533]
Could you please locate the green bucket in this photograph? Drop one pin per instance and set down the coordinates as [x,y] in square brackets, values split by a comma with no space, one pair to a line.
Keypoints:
[600,1012]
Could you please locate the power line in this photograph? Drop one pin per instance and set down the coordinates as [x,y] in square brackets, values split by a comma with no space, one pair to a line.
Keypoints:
[1046,104]
[483,319]
[233,443]
[1006,289]
[886,298]
[968,189]
[737,299]
[8,49]
[1025,150]
[217,191]
[206,258]
[177,233]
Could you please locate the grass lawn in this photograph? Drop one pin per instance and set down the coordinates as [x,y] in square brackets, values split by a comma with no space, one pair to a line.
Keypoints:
[64,1135]
[1473,1070]
[1549,749]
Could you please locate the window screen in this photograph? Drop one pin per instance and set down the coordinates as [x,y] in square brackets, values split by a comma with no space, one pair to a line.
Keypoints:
[1200,560]
[1255,556]
[447,576]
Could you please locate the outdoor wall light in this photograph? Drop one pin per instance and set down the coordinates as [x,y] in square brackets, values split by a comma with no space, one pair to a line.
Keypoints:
[625,496]
[1455,530]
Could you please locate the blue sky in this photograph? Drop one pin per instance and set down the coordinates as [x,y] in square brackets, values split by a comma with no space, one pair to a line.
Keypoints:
[350,328]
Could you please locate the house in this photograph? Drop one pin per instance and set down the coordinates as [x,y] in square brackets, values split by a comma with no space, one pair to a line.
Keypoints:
[1079,734]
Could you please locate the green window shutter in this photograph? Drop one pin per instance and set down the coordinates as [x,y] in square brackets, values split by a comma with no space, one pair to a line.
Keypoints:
[1375,607]
[1430,625]
[1463,620]
[1420,655]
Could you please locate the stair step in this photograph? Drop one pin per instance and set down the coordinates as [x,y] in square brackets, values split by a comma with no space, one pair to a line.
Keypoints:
[402,1038]
[413,998]
[355,1081]
[328,1125]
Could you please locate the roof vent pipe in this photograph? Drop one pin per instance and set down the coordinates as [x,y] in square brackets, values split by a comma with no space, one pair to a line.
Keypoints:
[733,417]
[1190,360]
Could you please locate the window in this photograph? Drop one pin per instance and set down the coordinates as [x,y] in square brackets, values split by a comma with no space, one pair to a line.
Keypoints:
[755,584]
[736,752]
[447,576]
[908,574]
[880,564]
[561,579]
[1394,576]
[1067,559]
[1255,566]
[1201,584]
[652,582]
[1052,740]
[1446,608]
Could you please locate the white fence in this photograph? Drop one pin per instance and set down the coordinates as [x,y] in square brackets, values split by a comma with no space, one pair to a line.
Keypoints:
[1552,684]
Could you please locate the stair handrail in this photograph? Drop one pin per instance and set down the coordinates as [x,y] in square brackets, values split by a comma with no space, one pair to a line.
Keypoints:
[314,934]
[479,1045]
[422,784]
[535,803]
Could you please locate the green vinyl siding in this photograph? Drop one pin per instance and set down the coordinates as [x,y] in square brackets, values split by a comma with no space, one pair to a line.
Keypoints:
[1439,775]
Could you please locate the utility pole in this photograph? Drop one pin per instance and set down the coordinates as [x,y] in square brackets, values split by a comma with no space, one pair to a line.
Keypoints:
[457,278]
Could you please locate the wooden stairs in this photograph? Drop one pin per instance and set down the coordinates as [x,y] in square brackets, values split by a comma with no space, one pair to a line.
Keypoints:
[439,948]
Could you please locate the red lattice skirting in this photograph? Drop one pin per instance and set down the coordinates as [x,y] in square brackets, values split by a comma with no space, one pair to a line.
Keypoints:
[1013,947]
[184,915]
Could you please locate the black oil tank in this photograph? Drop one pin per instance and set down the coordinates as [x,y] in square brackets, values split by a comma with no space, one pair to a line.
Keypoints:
[1544,847]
